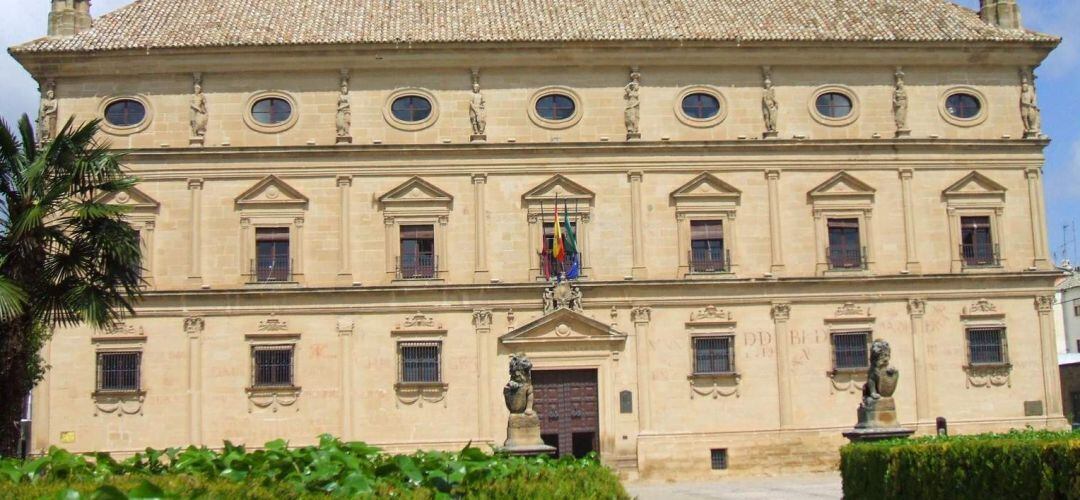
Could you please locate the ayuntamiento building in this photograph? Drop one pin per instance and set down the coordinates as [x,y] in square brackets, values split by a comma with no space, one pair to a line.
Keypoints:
[347,210]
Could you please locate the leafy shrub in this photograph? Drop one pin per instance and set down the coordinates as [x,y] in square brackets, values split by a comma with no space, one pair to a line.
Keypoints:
[330,468]
[1029,464]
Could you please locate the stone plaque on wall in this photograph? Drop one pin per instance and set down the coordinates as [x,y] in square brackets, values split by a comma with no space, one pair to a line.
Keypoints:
[1033,408]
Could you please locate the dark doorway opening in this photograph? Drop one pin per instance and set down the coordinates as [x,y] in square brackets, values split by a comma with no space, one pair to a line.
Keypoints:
[568,405]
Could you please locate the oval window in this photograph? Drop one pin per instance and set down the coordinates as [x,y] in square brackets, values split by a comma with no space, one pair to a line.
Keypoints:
[555,107]
[963,106]
[411,108]
[700,106]
[833,105]
[125,113]
[271,111]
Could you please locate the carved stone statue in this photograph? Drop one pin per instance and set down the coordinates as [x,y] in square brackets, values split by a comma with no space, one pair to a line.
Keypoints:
[900,105]
[562,295]
[877,412]
[769,106]
[523,426]
[344,111]
[47,113]
[1029,106]
[633,105]
[477,110]
[199,115]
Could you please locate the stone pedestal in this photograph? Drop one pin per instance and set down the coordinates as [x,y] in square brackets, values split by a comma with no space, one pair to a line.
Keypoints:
[877,421]
[770,134]
[903,133]
[196,140]
[478,138]
[633,136]
[1032,134]
[523,436]
[344,140]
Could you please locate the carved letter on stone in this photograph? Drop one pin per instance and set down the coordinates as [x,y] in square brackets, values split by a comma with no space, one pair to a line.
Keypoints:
[477,110]
[47,113]
[199,115]
[633,105]
[1029,106]
[344,111]
[769,106]
[900,105]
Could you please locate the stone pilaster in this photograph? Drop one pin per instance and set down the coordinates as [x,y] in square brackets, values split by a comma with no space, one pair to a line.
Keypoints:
[482,323]
[481,274]
[910,243]
[781,313]
[1044,306]
[773,179]
[636,230]
[917,311]
[345,327]
[1038,224]
[193,327]
[195,187]
[641,316]
[344,183]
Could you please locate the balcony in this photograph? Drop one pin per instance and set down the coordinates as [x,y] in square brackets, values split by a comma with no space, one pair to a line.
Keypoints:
[550,267]
[846,258]
[710,261]
[275,269]
[420,266]
[980,255]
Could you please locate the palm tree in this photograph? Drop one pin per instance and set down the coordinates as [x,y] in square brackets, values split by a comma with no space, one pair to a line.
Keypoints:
[66,258]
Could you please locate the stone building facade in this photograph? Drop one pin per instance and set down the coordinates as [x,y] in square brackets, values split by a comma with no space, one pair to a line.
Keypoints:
[343,217]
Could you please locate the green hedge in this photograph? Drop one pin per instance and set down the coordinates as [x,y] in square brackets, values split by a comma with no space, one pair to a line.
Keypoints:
[1028,464]
[332,468]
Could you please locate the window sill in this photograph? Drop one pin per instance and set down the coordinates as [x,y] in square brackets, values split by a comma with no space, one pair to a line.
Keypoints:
[712,376]
[125,394]
[271,284]
[417,281]
[847,272]
[277,389]
[988,366]
[992,268]
[848,371]
[709,276]
[420,385]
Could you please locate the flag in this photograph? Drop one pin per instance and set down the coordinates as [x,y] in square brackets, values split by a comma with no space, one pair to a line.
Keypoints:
[545,262]
[570,247]
[557,250]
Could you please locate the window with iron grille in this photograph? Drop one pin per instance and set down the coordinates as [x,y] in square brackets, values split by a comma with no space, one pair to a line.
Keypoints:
[272,260]
[718,458]
[119,371]
[713,355]
[419,362]
[707,253]
[851,350]
[845,250]
[986,346]
[272,365]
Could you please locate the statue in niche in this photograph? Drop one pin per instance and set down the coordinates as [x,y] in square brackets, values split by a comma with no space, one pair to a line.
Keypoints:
[769,106]
[344,111]
[199,115]
[900,105]
[1029,106]
[47,113]
[633,105]
[477,109]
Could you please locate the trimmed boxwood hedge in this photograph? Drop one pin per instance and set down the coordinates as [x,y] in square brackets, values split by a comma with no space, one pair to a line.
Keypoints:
[1019,464]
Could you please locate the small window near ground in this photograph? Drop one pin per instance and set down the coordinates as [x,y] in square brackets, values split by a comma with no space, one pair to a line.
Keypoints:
[420,362]
[714,355]
[851,350]
[718,458]
[119,371]
[125,113]
[986,346]
[272,366]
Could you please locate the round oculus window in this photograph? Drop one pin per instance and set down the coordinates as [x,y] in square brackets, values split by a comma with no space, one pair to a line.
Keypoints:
[700,106]
[411,108]
[833,105]
[271,111]
[555,107]
[963,106]
[125,113]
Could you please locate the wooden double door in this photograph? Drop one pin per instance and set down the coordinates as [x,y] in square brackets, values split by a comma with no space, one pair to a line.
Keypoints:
[569,410]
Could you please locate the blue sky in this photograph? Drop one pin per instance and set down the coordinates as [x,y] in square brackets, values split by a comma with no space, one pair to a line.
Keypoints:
[1057,82]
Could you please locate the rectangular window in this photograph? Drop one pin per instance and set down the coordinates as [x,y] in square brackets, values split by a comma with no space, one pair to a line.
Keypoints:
[272,261]
[272,366]
[845,250]
[977,242]
[851,350]
[707,254]
[718,458]
[1076,310]
[417,260]
[986,346]
[420,362]
[119,371]
[713,355]
[550,266]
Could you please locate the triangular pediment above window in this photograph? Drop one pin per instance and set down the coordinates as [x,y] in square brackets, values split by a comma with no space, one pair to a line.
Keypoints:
[271,192]
[136,200]
[563,326]
[842,186]
[416,192]
[975,187]
[704,192]
[566,189]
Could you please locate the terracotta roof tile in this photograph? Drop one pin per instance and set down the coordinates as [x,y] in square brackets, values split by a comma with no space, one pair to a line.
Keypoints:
[225,23]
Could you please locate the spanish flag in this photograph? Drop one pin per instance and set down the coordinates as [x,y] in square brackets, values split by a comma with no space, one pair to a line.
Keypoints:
[558,250]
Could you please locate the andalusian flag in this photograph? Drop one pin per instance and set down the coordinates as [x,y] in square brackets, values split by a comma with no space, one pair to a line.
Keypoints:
[557,248]
[570,244]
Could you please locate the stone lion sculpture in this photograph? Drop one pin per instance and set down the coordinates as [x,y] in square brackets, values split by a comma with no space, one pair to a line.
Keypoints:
[881,378]
[518,392]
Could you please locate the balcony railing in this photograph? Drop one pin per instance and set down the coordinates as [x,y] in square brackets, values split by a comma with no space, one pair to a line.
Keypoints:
[551,267]
[710,262]
[421,266]
[846,258]
[274,269]
[980,255]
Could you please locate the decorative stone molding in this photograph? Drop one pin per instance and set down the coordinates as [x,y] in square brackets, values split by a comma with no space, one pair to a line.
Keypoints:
[194,325]
[850,309]
[562,295]
[988,375]
[564,326]
[419,323]
[481,318]
[272,399]
[122,329]
[981,307]
[511,320]
[781,311]
[119,403]
[715,386]
[1044,303]
[641,314]
[273,324]
[271,192]
[346,325]
[849,381]
[916,307]
[418,394]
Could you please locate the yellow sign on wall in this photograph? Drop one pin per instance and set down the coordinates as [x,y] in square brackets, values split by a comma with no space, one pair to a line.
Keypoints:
[67,437]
